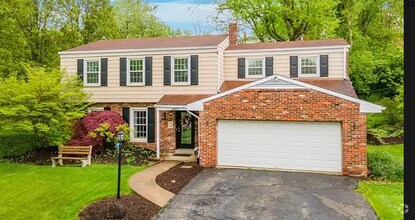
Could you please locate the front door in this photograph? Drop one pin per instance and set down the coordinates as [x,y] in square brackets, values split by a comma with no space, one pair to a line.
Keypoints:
[185,130]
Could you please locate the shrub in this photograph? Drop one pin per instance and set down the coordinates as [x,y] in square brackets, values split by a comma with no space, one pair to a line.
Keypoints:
[384,166]
[103,124]
[14,144]
[389,123]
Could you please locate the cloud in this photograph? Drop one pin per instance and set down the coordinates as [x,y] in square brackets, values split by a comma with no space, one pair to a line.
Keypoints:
[184,12]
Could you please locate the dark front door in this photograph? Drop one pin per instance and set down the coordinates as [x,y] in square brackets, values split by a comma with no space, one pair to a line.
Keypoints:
[185,127]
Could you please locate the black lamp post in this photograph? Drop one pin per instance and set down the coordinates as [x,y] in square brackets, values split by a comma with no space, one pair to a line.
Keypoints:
[119,145]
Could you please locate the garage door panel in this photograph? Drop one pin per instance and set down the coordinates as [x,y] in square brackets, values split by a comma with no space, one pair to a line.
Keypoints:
[312,146]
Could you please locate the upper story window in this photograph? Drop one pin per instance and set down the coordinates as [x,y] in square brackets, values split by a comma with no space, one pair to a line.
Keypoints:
[135,75]
[309,66]
[91,75]
[255,67]
[180,71]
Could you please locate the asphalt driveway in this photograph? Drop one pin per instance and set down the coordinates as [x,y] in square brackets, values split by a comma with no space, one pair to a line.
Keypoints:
[257,194]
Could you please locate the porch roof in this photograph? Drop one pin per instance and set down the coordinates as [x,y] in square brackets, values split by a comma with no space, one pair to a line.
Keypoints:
[180,99]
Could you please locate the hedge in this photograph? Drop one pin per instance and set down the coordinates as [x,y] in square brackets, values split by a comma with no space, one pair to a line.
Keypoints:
[12,144]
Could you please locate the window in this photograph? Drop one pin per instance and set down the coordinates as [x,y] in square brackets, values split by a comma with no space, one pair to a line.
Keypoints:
[91,74]
[255,67]
[138,123]
[308,66]
[135,75]
[181,71]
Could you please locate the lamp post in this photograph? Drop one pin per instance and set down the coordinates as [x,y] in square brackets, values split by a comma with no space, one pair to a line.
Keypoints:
[119,146]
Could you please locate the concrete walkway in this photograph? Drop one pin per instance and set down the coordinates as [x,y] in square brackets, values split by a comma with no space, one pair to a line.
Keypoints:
[144,183]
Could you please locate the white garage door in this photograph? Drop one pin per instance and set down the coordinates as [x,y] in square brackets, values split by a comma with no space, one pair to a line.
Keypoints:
[311,146]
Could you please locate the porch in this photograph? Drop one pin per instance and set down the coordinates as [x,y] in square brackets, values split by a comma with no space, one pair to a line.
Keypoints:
[177,130]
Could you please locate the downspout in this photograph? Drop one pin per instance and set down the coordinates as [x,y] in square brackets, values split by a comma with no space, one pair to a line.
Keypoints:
[158,133]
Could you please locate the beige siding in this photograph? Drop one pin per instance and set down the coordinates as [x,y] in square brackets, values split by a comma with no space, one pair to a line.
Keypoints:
[282,61]
[221,73]
[208,68]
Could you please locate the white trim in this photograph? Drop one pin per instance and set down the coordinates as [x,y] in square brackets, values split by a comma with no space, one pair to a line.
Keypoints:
[317,66]
[128,71]
[171,107]
[132,125]
[85,77]
[365,107]
[247,76]
[173,83]
[280,87]
[284,49]
[123,51]
[95,109]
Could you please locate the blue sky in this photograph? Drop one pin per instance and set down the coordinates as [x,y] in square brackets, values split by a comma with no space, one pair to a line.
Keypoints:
[192,15]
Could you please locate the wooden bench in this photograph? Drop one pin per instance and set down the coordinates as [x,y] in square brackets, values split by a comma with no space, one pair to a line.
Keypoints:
[82,153]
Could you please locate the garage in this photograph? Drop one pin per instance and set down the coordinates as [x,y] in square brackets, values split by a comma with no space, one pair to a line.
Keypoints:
[302,146]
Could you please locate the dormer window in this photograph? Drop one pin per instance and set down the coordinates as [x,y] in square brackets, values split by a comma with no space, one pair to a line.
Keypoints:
[181,71]
[309,66]
[255,67]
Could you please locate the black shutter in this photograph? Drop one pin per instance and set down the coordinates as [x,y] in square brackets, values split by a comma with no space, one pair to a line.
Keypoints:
[123,71]
[324,65]
[149,71]
[104,71]
[150,125]
[269,66]
[167,70]
[293,66]
[241,68]
[80,69]
[194,69]
[126,114]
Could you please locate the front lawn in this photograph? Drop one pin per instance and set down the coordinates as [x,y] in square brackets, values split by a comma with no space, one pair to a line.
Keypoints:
[386,198]
[43,192]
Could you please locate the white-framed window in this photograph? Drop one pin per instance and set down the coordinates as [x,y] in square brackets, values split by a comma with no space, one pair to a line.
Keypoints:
[135,71]
[180,71]
[309,66]
[92,69]
[254,67]
[138,124]
[95,109]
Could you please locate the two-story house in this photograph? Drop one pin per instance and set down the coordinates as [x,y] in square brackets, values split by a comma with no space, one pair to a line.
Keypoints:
[284,105]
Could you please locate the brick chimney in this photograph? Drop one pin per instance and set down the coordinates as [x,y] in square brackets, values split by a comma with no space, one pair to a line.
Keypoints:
[233,33]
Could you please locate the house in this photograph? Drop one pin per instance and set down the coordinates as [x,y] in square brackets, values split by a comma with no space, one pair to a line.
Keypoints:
[285,105]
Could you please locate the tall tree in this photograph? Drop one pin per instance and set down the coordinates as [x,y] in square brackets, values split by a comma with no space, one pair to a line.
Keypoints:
[136,19]
[282,20]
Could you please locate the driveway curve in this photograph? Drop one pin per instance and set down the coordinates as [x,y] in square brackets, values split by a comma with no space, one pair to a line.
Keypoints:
[260,194]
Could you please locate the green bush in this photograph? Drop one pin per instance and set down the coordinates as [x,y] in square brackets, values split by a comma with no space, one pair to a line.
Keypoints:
[389,123]
[12,144]
[384,166]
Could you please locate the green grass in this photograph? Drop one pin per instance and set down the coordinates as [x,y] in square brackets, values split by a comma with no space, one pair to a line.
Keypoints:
[396,150]
[386,198]
[43,192]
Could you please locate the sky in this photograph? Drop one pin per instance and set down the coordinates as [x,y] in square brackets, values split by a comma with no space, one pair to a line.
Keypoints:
[192,15]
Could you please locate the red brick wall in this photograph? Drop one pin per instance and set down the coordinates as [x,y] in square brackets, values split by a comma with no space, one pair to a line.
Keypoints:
[167,135]
[288,105]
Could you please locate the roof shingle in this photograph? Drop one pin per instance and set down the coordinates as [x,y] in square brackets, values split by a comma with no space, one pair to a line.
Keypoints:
[288,44]
[180,99]
[149,43]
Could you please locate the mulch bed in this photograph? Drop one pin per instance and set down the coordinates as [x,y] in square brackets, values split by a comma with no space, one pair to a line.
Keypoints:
[134,207]
[40,156]
[176,178]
